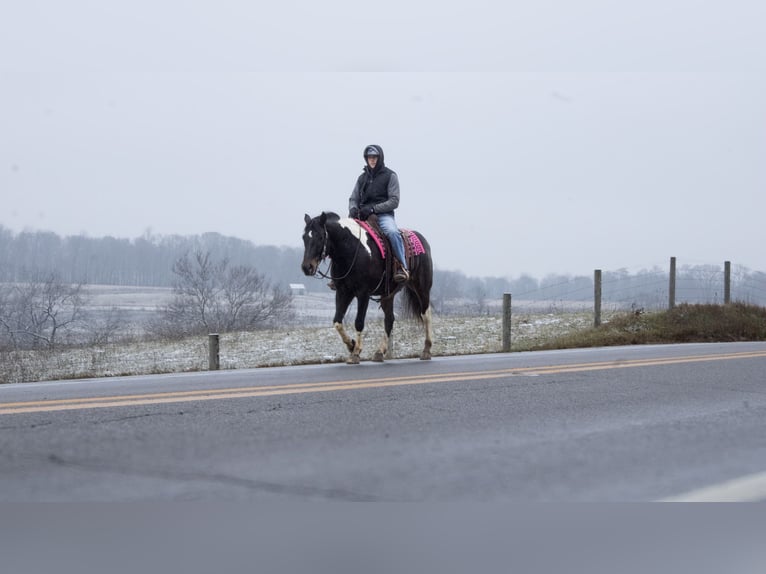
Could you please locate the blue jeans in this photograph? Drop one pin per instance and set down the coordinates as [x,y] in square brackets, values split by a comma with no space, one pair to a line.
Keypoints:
[388,225]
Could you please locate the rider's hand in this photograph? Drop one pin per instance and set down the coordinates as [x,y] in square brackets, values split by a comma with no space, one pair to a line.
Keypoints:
[353,213]
[366,211]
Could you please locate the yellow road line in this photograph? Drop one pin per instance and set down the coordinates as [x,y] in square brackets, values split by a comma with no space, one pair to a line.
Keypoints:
[296,388]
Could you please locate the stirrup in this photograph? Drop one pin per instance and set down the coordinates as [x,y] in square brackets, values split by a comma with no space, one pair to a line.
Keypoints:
[401,275]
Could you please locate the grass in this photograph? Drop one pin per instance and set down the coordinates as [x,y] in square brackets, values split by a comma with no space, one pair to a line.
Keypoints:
[682,324]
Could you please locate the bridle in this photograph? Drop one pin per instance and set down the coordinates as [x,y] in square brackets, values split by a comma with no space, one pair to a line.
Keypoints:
[324,256]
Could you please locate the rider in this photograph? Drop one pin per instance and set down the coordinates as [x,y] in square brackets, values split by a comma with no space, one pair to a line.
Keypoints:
[377,191]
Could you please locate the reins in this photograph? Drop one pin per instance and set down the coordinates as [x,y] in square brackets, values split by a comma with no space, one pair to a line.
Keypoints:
[324,256]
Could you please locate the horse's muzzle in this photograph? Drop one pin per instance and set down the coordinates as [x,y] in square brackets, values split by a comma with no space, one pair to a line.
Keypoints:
[310,267]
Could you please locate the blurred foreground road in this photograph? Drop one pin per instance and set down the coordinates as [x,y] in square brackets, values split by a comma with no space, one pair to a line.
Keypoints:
[615,424]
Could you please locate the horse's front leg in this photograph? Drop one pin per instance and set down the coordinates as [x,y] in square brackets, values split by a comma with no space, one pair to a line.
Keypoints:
[388,324]
[362,303]
[342,301]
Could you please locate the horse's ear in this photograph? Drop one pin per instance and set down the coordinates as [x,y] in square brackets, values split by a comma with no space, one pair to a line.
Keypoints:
[307,218]
[323,218]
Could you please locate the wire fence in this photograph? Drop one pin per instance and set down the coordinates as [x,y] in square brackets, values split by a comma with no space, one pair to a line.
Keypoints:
[620,290]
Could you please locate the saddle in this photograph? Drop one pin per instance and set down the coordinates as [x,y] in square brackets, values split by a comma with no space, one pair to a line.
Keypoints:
[412,244]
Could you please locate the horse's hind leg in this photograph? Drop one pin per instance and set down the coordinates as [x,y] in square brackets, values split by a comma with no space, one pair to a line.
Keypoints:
[419,294]
[428,325]
[388,324]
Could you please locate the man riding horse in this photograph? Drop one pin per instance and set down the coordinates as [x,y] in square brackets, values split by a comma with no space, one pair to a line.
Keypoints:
[377,191]
[358,270]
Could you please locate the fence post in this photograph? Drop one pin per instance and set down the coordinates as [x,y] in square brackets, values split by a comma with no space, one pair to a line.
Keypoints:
[726,282]
[672,284]
[597,297]
[213,358]
[506,322]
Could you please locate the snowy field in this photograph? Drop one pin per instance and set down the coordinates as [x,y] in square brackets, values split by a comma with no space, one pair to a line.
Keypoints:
[309,338]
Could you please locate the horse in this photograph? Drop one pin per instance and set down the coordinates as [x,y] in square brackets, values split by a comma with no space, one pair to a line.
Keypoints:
[359,270]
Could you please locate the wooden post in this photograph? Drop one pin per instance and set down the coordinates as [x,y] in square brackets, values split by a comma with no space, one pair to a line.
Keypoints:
[506,322]
[213,357]
[672,284]
[597,297]
[726,282]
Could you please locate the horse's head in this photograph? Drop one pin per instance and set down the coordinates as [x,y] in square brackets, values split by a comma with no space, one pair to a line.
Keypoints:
[314,243]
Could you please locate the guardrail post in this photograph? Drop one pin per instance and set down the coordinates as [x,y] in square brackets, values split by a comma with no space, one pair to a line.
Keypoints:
[597,297]
[672,284]
[213,355]
[726,282]
[506,322]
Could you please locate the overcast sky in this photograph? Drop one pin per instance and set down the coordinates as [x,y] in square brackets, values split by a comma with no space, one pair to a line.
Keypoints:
[529,137]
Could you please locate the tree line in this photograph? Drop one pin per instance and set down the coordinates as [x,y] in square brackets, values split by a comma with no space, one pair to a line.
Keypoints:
[145,261]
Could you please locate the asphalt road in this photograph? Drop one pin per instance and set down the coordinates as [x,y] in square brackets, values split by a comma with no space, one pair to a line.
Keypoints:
[615,424]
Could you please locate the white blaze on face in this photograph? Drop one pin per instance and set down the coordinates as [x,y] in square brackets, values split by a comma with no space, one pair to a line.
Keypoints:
[357,231]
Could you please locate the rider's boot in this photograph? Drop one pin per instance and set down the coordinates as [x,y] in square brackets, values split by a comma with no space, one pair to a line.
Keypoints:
[401,275]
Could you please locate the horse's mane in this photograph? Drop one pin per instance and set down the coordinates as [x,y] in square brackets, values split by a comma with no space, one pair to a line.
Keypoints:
[332,216]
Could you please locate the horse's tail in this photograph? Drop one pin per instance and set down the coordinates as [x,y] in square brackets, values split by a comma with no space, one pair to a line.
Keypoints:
[417,293]
[411,305]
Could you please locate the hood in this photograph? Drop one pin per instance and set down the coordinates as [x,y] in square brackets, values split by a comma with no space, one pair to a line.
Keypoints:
[381,157]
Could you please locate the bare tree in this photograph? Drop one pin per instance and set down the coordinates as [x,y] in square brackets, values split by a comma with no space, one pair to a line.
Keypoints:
[479,294]
[447,285]
[7,339]
[213,296]
[106,327]
[35,314]
[705,283]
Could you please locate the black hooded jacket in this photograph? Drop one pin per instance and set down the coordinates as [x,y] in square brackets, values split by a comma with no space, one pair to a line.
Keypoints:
[378,188]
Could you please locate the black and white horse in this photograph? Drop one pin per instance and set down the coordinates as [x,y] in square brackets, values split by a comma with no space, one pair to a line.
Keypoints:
[358,270]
